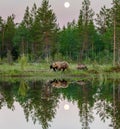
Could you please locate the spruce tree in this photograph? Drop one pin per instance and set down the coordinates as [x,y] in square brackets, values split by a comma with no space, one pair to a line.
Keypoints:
[47,28]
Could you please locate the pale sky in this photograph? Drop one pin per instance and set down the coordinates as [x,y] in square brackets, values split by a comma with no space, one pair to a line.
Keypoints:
[64,119]
[64,15]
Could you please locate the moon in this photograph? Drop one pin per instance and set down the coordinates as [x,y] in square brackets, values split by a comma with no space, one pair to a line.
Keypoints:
[66,4]
[66,107]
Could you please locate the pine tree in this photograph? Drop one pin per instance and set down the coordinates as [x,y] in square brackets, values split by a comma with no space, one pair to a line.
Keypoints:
[9,32]
[33,31]
[47,28]
[1,36]
[104,25]
[85,19]
[103,20]
[26,29]
[8,35]
[116,20]
[33,13]
[26,18]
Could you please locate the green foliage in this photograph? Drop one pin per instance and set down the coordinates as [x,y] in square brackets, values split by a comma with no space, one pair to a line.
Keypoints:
[9,30]
[9,57]
[68,41]
[23,62]
[23,88]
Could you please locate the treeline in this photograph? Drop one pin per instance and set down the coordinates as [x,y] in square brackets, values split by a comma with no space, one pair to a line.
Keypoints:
[93,38]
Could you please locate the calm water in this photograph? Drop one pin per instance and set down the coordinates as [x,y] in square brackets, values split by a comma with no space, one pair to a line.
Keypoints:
[59,104]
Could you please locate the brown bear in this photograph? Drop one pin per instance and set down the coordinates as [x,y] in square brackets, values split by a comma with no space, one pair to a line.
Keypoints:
[59,65]
[82,67]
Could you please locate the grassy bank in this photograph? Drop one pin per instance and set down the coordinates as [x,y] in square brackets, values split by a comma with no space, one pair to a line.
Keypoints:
[42,70]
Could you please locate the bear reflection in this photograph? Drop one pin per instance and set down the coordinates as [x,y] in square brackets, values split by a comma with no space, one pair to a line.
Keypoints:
[50,85]
[59,83]
[82,82]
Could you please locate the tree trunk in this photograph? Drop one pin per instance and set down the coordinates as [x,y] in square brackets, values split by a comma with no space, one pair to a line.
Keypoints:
[114,47]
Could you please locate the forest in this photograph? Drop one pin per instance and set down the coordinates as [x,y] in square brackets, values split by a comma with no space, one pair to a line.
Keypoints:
[93,38]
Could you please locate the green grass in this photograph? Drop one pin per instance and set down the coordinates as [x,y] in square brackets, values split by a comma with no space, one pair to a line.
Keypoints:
[42,70]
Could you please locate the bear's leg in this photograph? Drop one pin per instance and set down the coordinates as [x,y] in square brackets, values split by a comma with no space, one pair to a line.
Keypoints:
[63,69]
[54,69]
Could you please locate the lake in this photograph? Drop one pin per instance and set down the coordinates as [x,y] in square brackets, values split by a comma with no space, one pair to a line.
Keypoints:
[59,103]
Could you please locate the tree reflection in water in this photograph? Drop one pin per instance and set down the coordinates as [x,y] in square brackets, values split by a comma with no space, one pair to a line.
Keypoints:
[40,99]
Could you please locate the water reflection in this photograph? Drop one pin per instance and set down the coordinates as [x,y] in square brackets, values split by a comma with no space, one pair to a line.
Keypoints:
[41,101]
